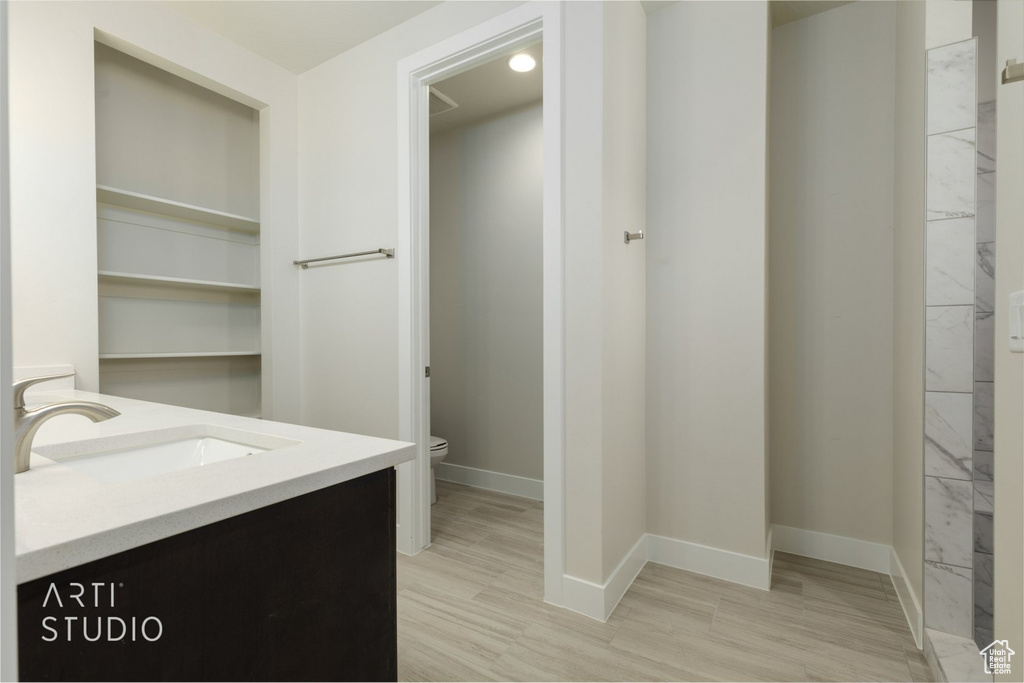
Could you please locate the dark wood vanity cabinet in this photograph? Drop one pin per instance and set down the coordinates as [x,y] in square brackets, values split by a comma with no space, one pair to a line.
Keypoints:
[300,590]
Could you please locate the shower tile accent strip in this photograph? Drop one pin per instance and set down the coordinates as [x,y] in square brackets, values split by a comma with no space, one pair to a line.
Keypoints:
[984,375]
[956,149]
[986,208]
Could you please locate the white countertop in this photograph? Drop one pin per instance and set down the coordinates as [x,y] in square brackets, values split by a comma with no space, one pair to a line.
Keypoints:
[64,518]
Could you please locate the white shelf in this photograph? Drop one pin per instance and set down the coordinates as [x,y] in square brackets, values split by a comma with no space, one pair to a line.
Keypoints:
[182,283]
[167,207]
[201,354]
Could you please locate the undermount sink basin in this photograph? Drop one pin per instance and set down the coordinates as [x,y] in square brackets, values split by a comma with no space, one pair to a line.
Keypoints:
[139,455]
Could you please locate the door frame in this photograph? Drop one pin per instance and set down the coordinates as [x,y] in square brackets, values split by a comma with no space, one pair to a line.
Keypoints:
[522,26]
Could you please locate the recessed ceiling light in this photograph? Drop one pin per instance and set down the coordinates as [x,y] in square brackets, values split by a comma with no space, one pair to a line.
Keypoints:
[521,62]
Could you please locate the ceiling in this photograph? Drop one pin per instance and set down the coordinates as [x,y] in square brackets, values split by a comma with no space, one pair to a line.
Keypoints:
[301,34]
[488,90]
[783,11]
[298,34]
[787,11]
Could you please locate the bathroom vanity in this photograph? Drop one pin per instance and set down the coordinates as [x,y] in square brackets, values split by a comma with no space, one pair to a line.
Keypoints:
[276,562]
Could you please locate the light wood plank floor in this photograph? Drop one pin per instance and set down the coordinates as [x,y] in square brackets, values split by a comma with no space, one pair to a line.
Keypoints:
[470,608]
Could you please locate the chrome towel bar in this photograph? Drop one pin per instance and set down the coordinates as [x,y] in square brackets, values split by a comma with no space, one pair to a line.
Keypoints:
[388,253]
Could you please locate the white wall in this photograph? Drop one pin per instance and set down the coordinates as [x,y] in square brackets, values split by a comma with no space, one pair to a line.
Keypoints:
[348,190]
[908,294]
[624,281]
[582,142]
[1009,367]
[53,176]
[486,389]
[831,273]
[8,594]
[348,180]
[706,277]
[213,160]
[947,21]
[604,298]
[984,23]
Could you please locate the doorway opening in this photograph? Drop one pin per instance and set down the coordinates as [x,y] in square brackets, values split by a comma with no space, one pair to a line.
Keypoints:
[490,45]
[485,310]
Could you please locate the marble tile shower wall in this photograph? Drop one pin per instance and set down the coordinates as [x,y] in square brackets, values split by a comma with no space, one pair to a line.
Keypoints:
[951,416]
[984,369]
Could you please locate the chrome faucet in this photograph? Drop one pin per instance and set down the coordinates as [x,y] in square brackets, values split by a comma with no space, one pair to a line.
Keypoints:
[27,421]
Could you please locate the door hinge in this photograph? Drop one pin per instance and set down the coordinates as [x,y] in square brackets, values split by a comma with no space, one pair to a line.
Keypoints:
[427,373]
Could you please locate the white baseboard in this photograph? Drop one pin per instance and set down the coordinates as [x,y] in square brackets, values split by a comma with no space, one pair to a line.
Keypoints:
[624,575]
[701,559]
[584,597]
[911,606]
[599,601]
[839,549]
[492,481]
[853,552]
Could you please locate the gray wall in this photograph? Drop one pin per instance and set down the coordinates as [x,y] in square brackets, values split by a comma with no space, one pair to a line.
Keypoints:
[707,82]
[486,194]
[908,296]
[831,271]
[214,162]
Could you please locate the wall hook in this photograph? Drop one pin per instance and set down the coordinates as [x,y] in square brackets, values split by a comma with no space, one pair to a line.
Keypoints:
[1013,72]
[628,236]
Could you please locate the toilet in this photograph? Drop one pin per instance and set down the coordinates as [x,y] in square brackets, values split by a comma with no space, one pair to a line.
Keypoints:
[438,449]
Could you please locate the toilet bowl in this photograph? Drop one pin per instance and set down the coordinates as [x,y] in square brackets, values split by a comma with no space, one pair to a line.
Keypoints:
[438,449]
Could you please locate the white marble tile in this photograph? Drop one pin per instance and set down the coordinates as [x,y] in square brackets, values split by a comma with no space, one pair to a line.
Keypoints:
[983,596]
[984,465]
[952,98]
[986,137]
[948,598]
[951,175]
[957,657]
[948,421]
[983,415]
[948,521]
[985,273]
[986,209]
[949,348]
[951,261]
[984,346]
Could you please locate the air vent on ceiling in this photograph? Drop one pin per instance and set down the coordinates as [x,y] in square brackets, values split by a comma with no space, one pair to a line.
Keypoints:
[440,103]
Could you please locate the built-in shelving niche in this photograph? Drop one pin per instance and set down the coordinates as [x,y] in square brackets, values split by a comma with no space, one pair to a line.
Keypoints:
[178,239]
[179,303]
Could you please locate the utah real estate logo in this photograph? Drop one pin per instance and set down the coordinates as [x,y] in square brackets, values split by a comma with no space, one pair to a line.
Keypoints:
[997,657]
